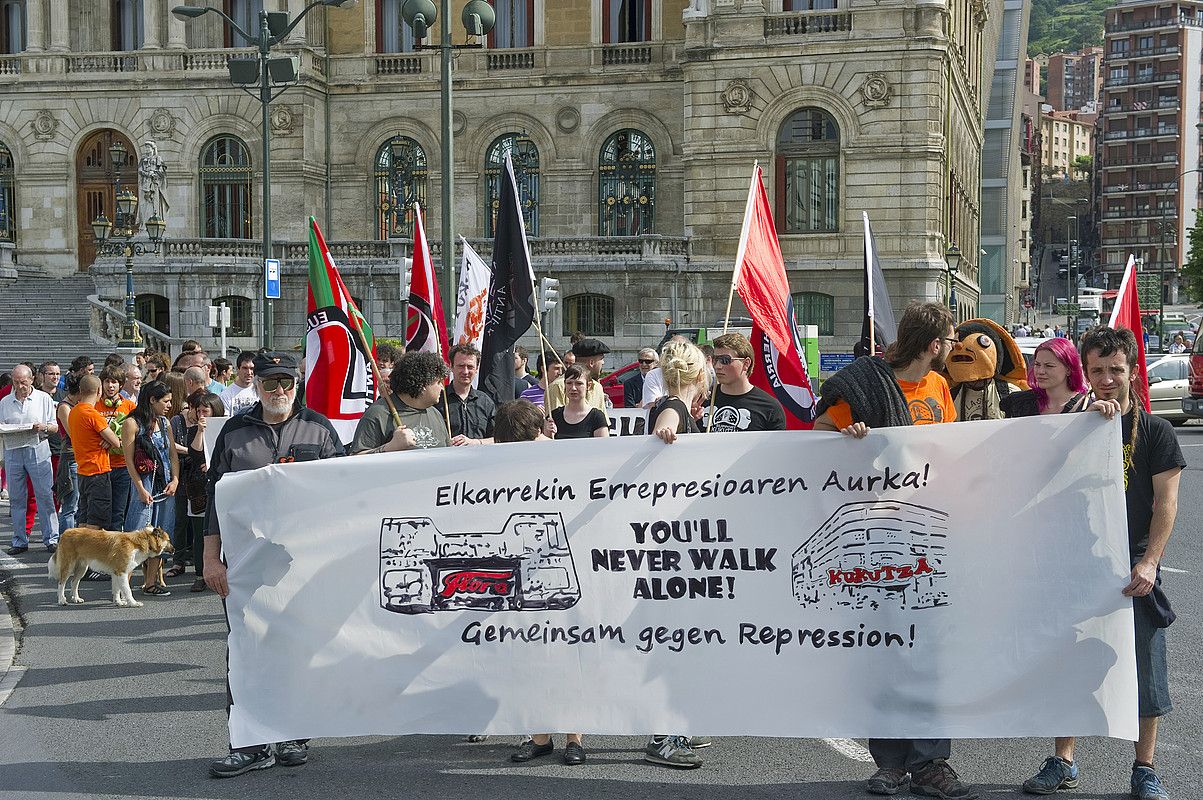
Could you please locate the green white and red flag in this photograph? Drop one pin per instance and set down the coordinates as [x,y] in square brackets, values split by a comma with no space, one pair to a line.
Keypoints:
[339,383]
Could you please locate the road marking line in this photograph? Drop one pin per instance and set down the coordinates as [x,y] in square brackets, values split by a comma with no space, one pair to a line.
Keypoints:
[1190,445]
[850,749]
[1176,571]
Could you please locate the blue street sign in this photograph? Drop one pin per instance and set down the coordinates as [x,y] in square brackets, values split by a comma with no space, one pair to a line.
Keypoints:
[271,278]
[834,362]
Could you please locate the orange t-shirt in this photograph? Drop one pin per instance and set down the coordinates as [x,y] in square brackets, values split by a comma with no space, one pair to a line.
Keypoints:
[928,400]
[84,425]
[121,409]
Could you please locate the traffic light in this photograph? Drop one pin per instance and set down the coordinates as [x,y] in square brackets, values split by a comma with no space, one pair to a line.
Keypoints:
[549,294]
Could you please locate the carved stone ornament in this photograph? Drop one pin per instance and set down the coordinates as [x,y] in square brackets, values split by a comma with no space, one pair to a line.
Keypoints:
[282,120]
[568,119]
[458,121]
[162,124]
[737,97]
[44,125]
[876,91]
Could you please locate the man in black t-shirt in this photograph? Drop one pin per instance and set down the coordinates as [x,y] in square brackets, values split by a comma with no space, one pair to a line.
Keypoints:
[738,405]
[1153,464]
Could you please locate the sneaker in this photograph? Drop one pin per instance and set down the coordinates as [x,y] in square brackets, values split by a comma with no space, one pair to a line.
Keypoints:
[698,742]
[237,763]
[938,779]
[671,751]
[888,780]
[51,548]
[93,575]
[1056,774]
[528,750]
[291,753]
[17,550]
[1146,785]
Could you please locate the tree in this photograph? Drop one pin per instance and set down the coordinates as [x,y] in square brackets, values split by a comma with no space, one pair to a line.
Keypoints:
[1192,269]
[1082,166]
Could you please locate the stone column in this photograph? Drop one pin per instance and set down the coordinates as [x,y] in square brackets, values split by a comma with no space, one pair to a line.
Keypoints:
[295,7]
[152,16]
[175,27]
[60,31]
[35,27]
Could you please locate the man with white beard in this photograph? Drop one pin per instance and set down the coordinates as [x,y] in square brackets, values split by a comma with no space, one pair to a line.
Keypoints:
[273,431]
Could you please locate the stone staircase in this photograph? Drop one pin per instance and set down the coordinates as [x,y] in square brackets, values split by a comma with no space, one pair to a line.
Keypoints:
[45,318]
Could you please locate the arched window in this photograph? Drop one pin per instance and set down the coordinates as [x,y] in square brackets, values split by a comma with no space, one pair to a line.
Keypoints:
[627,21]
[153,310]
[815,308]
[393,35]
[515,25]
[8,213]
[12,26]
[591,314]
[225,177]
[400,182]
[526,171]
[626,185]
[808,173]
[240,315]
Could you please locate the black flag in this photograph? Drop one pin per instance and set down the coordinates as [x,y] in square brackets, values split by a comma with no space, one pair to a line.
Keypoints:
[511,308]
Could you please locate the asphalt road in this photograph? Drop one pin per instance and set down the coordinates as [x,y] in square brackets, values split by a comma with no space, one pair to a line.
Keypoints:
[127,703]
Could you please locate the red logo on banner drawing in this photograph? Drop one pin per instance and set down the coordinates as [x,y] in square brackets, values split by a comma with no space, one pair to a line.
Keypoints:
[474,581]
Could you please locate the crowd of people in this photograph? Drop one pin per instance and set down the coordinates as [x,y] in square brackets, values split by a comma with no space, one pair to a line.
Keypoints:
[134,437]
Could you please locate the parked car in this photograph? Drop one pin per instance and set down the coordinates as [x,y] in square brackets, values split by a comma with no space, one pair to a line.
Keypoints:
[1192,403]
[1168,385]
[613,386]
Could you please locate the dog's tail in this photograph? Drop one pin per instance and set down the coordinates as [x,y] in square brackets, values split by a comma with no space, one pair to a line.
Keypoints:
[52,567]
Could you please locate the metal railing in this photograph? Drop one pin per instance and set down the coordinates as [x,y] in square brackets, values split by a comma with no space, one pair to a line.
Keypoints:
[107,321]
[1158,77]
[1139,187]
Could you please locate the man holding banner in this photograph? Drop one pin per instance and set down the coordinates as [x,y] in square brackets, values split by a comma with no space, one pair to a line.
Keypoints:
[274,431]
[903,388]
[1153,464]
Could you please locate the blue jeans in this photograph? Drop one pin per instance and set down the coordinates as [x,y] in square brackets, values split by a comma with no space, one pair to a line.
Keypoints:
[19,462]
[69,500]
[139,515]
[120,486]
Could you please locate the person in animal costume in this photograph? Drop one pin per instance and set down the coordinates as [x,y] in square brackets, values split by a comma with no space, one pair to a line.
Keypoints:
[983,366]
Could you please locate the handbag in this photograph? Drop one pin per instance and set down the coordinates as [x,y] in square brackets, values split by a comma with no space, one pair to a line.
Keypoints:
[143,463]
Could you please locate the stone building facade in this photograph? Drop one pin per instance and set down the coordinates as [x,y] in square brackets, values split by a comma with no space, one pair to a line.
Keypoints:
[849,105]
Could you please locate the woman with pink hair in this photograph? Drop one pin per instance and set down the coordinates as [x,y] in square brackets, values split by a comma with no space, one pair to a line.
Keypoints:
[1057,381]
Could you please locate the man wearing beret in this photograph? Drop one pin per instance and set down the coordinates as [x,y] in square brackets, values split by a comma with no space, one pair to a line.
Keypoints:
[273,431]
[590,353]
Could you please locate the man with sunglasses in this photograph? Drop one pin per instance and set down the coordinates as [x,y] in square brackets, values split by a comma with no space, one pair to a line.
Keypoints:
[274,431]
[632,388]
[738,405]
[902,388]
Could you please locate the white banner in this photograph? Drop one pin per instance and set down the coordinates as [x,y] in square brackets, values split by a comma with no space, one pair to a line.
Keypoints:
[627,421]
[212,431]
[910,584]
[471,299]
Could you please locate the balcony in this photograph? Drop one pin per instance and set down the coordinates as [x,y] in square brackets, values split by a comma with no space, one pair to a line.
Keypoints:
[10,65]
[103,63]
[1142,133]
[514,59]
[1133,188]
[1149,52]
[651,247]
[1149,78]
[807,24]
[618,55]
[1152,162]
[1162,104]
[1163,22]
[1140,213]
[398,64]
[215,60]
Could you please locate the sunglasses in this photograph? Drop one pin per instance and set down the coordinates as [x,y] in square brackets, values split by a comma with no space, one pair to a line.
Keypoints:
[647,361]
[271,384]
[726,360]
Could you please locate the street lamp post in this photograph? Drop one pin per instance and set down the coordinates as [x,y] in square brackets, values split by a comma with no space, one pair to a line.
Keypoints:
[274,26]
[478,18]
[952,259]
[1162,226]
[1071,283]
[116,237]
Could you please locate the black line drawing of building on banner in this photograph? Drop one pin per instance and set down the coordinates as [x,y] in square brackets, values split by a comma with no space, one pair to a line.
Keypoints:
[526,566]
[874,554]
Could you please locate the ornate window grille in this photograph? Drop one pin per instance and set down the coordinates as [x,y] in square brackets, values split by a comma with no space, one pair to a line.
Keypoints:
[401,179]
[626,185]
[526,171]
[590,314]
[225,177]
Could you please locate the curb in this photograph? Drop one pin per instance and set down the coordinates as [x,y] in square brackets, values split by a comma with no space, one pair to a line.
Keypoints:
[10,673]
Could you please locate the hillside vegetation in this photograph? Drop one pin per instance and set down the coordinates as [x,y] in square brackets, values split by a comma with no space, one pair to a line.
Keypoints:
[1057,26]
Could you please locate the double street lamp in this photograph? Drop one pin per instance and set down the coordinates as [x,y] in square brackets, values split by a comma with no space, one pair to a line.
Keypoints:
[267,72]
[116,237]
[952,259]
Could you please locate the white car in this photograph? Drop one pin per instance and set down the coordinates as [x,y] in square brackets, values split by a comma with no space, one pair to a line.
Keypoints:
[1168,384]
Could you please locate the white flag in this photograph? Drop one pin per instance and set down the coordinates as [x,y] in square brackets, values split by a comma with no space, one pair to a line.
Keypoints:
[471,299]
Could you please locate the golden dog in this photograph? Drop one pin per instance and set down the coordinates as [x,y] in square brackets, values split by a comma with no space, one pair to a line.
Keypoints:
[117,553]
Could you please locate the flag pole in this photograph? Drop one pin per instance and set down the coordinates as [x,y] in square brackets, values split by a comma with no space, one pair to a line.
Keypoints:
[739,260]
[869,286]
[447,410]
[376,374]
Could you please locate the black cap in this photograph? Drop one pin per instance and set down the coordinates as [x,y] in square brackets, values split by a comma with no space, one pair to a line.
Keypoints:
[588,348]
[275,363]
